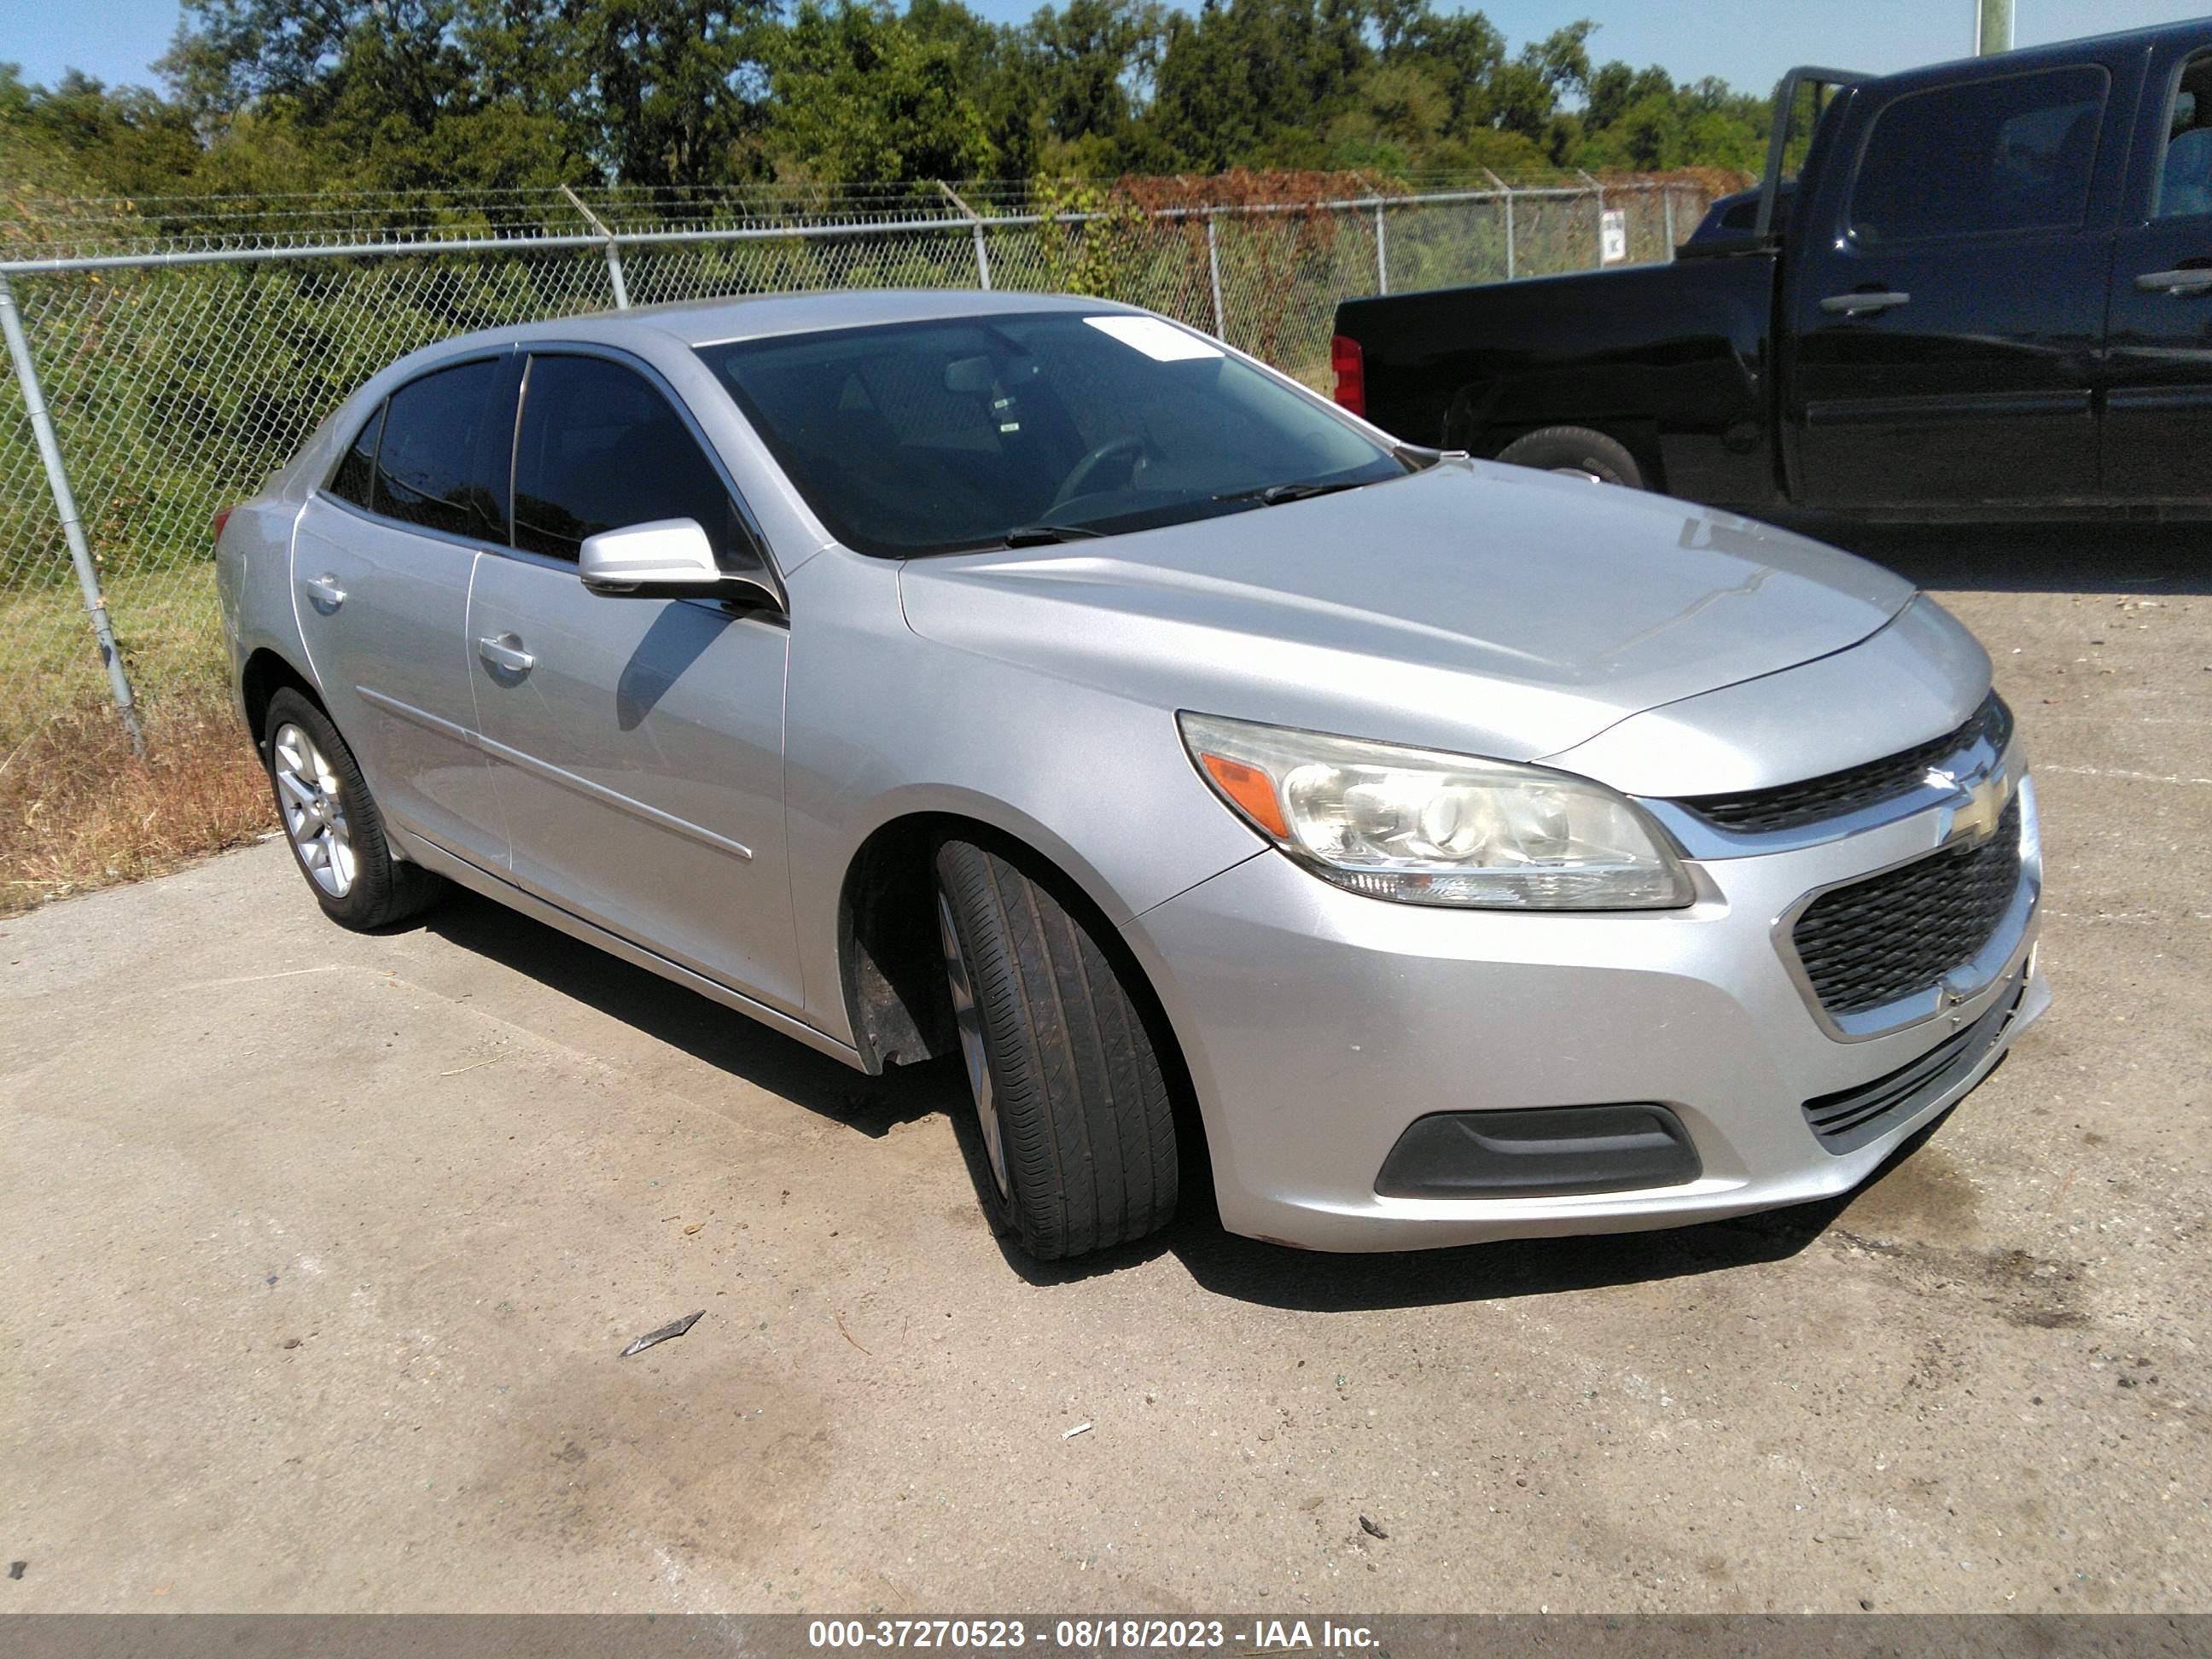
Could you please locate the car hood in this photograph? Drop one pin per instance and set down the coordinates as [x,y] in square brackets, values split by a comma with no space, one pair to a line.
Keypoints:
[1473,607]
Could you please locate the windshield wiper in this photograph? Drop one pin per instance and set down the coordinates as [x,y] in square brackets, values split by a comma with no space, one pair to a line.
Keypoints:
[1040,535]
[1276,494]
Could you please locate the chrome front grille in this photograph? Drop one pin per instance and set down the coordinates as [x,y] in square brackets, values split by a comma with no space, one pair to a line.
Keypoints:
[1832,795]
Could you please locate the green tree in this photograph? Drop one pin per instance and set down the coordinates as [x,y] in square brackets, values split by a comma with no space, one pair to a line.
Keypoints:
[858,98]
[671,91]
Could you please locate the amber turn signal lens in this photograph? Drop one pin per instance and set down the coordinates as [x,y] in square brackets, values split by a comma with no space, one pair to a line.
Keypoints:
[1253,790]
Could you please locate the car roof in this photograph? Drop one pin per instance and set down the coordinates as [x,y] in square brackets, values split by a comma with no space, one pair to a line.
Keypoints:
[712,322]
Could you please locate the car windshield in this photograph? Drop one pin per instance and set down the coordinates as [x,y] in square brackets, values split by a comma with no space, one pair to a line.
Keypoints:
[917,438]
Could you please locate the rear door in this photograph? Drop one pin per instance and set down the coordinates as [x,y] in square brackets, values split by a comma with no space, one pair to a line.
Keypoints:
[1945,298]
[2158,414]
[638,743]
[381,562]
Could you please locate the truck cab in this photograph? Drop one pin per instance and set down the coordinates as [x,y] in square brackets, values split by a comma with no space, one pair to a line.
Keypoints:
[1986,291]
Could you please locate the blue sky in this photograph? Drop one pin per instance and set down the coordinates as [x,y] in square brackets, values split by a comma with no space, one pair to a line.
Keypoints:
[1747,43]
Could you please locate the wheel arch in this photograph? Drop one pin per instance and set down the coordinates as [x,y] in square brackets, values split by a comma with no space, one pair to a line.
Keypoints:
[891,965]
[267,672]
[1637,434]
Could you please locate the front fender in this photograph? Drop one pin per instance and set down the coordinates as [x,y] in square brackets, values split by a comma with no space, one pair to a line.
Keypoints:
[882,725]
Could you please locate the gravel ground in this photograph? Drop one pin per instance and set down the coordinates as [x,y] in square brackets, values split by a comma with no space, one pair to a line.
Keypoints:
[321,1250]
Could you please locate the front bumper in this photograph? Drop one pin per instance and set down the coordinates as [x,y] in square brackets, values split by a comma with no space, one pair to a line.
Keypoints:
[1318,1025]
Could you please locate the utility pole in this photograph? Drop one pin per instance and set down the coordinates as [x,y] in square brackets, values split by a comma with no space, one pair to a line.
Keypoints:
[1992,27]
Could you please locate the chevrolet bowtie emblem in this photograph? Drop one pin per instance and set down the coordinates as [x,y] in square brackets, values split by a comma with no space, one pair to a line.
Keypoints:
[1980,801]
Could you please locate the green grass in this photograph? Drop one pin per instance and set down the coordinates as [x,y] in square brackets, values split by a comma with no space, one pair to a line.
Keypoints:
[165,624]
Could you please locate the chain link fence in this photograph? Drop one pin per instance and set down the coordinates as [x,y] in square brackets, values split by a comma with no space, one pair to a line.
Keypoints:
[182,358]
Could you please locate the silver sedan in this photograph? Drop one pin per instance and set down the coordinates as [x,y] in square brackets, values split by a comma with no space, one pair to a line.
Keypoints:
[1430,851]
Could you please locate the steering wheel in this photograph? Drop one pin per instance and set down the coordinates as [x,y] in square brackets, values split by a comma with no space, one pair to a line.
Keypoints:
[1078,479]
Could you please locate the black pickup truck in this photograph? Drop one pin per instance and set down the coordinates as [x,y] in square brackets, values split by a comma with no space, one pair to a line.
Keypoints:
[1986,292]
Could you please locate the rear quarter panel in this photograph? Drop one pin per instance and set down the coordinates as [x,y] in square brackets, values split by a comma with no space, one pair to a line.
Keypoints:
[1674,360]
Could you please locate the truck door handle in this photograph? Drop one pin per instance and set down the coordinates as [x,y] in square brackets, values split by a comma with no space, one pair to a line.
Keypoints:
[324,590]
[506,652]
[1862,305]
[2193,279]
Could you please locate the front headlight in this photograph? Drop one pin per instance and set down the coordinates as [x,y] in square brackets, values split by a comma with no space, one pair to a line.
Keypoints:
[1425,828]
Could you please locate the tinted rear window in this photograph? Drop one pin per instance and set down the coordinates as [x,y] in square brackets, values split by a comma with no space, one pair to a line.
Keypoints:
[427,461]
[355,479]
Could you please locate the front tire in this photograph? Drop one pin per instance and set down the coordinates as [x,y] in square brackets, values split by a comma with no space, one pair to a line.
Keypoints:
[336,834]
[1076,1121]
[1578,450]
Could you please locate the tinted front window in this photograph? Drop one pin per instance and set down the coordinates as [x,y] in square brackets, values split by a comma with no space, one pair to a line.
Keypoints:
[1996,156]
[601,448]
[927,437]
[2184,181]
[355,479]
[427,471]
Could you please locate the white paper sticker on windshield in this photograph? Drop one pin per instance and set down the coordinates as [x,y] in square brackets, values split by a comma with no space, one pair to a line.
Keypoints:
[1164,343]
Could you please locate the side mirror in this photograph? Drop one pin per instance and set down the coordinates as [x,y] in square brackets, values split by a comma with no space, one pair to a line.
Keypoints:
[665,559]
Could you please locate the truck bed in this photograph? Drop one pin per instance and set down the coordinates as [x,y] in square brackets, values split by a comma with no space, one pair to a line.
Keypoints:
[1673,360]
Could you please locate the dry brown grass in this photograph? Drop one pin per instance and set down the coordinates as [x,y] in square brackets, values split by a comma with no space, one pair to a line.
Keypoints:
[79,811]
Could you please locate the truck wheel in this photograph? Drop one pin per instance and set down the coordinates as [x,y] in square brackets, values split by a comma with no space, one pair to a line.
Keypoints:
[1077,1130]
[335,832]
[1579,450]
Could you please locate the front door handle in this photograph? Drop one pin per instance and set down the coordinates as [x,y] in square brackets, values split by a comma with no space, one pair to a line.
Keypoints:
[505,651]
[1862,305]
[324,590]
[2193,279]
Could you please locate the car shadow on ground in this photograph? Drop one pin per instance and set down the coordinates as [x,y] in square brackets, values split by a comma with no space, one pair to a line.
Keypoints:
[699,1027]
[2118,556]
[1243,1269]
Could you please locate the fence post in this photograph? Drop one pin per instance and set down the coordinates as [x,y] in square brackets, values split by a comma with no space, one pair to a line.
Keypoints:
[1666,200]
[1381,254]
[614,253]
[1508,191]
[1597,190]
[1213,271]
[50,453]
[976,229]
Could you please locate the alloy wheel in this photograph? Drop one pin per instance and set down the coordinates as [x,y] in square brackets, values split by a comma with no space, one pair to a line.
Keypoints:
[970,1020]
[315,813]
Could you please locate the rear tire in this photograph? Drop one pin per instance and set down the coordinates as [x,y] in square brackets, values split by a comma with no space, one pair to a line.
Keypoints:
[1575,449]
[336,834]
[1077,1127]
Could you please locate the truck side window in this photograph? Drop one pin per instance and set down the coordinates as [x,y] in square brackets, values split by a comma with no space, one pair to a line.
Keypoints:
[2184,174]
[2008,154]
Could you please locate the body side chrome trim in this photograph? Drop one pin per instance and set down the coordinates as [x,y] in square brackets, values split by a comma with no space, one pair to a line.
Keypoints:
[585,786]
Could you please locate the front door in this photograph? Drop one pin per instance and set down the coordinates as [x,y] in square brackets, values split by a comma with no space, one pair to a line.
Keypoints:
[1947,301]
[2158,412]
[381,561]
[638,743]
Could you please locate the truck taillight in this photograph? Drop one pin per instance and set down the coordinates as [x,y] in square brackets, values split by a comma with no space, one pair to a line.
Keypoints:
[1351,372]
[222,518]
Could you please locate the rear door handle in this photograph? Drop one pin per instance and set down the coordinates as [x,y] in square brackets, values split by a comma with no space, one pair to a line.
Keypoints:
[324,590]
[1862,305]
[506,651]
[2195,279]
